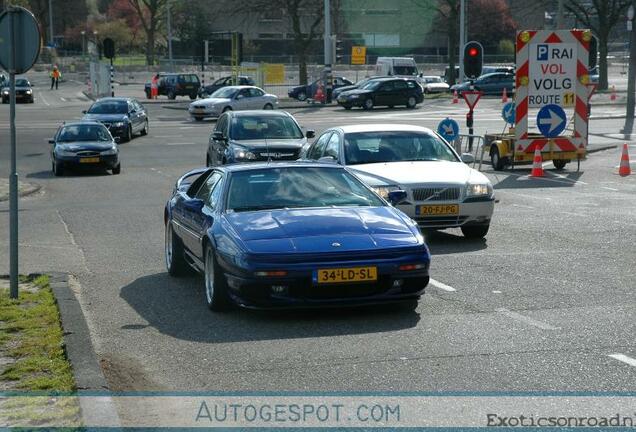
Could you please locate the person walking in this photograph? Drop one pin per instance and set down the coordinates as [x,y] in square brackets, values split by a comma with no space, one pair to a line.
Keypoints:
[55,77]
[154,87]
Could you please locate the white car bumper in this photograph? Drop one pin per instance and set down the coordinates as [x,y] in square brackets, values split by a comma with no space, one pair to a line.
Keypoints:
[204,112]
[449,214]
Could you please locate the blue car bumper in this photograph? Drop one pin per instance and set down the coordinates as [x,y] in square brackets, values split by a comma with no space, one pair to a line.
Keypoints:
[299,288]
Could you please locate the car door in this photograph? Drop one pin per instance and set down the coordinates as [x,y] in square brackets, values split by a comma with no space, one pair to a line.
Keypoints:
[202,220]
[256,99]
[385,94]
[332,149]
[133,115]
[317,148]
[192,217]
[241,100]
[400,93]
[216,147]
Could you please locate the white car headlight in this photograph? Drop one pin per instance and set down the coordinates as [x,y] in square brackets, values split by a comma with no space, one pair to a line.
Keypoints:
[354,96]
[29,92]
[118,124]
[383,191]
[478,189]
[242,154]
[5,92]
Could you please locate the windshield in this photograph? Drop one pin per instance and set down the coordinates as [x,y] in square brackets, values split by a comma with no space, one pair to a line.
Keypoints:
[109,107]
[300,187]
[363,82]
[21,82]
[84,133]
[405,70]
[225,92]
[379,147]
[433,80]
[264,127]
[371,85]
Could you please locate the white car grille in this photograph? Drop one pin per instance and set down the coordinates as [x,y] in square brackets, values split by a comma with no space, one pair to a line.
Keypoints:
[436,194]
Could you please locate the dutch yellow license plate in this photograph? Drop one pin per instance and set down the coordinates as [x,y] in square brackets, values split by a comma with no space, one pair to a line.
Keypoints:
[344,275]
[437,210]
[89,160]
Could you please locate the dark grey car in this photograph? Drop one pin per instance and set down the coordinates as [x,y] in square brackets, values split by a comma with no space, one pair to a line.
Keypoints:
[123,117]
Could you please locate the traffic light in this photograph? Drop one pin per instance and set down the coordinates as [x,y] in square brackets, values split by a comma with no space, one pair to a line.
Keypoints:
[336,50]
[109,48]
[473,59]
[593,53]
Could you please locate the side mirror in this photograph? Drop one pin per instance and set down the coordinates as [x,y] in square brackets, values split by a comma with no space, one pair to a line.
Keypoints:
[83,111]
[218,136]
[51,141]
[117,139]
[396,197]
[240,96]
[194,204]
[310,133]
[468,158]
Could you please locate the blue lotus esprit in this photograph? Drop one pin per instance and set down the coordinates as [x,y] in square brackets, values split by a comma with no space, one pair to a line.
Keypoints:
[285,235]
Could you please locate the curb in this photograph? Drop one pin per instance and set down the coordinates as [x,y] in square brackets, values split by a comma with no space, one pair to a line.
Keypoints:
[36,188]
[79,348]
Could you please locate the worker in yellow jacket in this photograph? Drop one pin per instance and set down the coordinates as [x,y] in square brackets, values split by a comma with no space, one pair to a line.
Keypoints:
[55,77]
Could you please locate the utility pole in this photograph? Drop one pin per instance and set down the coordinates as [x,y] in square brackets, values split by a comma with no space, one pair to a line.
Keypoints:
[169,35]
[51,39]
[631,73]
[559,23]
[462,39]
[328,53]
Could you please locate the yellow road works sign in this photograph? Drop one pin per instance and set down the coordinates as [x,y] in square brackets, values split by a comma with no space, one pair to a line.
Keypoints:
[274,73]
[358,55]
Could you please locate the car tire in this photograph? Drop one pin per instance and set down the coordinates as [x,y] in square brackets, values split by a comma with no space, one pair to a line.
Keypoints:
[193,96]
[175,258]
[215,287]
[426,91]
[227,108]
[5,101]
[368,104]
[411,102]
[347,107]
[559,164]
[145,129]
[475,231]
[302,96]
[57,168]
[495,159]
[391,106]
[172,95]
[268,107]
[129,134]
[198,119]
[117,170]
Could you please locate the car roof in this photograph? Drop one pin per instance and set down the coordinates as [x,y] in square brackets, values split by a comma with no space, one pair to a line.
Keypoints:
[83,123]
[293,164]
[115,99]
[386,127]
[389,78]
[497,73]
[239,87]
[271,113]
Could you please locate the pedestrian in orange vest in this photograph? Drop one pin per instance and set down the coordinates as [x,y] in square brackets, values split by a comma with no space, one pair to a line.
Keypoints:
[55,77]
[154,87]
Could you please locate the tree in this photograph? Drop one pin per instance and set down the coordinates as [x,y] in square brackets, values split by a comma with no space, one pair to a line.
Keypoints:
[448,18]
[150,14]
[490,21]
[600,16]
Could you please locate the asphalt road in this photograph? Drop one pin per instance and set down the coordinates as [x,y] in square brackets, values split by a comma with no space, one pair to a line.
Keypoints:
[541,304]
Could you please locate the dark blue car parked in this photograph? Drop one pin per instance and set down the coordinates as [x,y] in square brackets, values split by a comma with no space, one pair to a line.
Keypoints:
[292,235]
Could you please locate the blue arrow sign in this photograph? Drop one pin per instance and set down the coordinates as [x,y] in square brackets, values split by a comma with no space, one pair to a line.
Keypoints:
[508,113]
[551,120]
[448,129]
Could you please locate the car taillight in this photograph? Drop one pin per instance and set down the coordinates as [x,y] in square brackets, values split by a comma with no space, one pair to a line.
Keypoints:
[411,267]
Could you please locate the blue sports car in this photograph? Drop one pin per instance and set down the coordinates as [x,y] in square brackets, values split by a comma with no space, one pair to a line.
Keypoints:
[286,235]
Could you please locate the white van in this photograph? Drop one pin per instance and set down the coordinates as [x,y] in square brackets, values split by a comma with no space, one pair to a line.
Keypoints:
[396,66]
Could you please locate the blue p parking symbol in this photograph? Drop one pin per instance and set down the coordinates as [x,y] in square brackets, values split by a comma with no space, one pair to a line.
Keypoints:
[542,52]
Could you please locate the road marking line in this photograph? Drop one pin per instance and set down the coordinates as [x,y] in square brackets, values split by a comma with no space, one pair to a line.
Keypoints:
[523,206]
[180,143]
[441,286]
[525,319]
[623,358]
[63,100]
[574,214]
[609,188]
[44,99]
[496,292]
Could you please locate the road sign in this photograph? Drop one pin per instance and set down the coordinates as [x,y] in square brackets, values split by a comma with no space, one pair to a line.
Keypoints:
[358,55]
[508,113]
[552,73]
[26,37]
[471,98]
[448,129]
[551,120]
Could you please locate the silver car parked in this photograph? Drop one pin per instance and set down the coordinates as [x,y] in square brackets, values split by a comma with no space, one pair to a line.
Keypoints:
[232,98]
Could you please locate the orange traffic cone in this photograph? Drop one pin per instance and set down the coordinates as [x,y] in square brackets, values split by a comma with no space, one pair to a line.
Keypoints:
[455,97]
[504,96]
[537,165]
[624,169]
[613,95]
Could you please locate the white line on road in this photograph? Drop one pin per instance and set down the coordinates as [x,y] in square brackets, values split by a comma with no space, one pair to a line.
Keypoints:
[622,357]
[525,319]
[63,100]
[523,206]
[44,99]
[180,143]
[609,188]
[441,286]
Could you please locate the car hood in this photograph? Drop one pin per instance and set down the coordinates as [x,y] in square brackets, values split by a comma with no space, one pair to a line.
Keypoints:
[85,145]
[317,230]
[106,117]
[210,101]
[16,87]
[346,88]
[412,173]
[355,91]
[292,144]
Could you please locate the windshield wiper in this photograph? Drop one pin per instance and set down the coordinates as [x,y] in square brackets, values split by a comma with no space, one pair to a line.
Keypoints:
[421,160]
[256,208]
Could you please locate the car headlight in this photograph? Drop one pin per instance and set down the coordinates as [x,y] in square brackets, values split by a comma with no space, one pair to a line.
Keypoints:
[242,154]
[383,191]
[29,92]
[111,151]
[355,96]
[5,92]
[119,124]
[478,189]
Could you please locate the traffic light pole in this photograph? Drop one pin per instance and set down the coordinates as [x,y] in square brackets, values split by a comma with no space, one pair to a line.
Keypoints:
[328,53]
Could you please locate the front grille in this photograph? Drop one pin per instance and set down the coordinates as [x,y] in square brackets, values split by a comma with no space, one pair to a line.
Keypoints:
[337,258]
[340,291]
[278,155]
[87,153]
[436,194]
[440,221]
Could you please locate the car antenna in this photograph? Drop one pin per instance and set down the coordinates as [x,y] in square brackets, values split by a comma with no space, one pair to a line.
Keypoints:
[269,155]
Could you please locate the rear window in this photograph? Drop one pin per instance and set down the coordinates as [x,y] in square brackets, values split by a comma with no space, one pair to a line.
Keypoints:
[189,78]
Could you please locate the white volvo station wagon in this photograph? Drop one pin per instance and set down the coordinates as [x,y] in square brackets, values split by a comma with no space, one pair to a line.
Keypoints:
[441,190]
